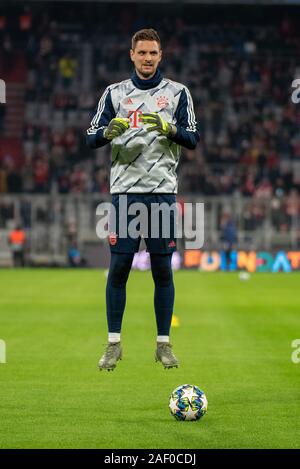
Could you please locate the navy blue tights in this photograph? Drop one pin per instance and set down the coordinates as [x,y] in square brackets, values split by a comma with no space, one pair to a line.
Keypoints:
[120,265]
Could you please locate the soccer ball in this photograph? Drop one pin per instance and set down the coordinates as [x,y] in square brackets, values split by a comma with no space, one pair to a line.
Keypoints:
[188,402]
[244,276]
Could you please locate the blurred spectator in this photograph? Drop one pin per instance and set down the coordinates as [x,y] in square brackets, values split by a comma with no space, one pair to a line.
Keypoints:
[292,208]
[101,182]
[3,179]
[78,180]
[41,175]
[75,257]
[263,189]
[67,68]
[14,181]
[16,239]
[63,182]
[27,178]
[228,236]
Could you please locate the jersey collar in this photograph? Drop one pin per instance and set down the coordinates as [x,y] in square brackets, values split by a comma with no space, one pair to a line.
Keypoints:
[146,84]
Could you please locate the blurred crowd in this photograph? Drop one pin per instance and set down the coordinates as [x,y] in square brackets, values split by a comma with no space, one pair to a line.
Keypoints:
[239,72]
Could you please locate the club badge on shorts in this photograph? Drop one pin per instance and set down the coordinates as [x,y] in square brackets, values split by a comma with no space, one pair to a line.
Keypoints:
[112,238]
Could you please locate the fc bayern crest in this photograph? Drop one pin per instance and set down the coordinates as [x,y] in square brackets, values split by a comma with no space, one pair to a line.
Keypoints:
[162,102]
[112,239]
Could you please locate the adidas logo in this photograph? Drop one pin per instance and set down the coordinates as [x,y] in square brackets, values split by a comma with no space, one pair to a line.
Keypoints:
[129,101]
[172,244]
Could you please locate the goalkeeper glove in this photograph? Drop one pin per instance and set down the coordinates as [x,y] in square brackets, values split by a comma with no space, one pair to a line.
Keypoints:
[156,122]
[116,127]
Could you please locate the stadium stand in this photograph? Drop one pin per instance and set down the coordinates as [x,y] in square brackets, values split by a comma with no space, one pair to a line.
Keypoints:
[239,72]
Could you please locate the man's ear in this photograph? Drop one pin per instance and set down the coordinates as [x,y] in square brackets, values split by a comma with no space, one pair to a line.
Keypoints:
[131,52]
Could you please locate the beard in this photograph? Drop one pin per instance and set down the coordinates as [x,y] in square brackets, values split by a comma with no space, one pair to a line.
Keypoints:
[146,74]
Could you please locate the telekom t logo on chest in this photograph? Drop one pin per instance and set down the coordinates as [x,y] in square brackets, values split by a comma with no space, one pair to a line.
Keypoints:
[134,118]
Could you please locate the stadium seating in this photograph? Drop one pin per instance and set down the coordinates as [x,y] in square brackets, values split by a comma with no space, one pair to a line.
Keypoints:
[240,76]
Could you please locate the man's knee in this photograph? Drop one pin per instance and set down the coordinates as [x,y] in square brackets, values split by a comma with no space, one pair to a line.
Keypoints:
[119,269]
[161,270]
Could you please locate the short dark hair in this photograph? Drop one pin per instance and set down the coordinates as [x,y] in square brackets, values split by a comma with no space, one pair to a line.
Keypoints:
[145,35]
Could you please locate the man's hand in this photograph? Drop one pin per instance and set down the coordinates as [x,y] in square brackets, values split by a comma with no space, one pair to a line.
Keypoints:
[156,122]
[116,127]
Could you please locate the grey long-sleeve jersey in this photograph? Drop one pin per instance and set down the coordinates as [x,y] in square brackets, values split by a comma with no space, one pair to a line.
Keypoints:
[145,162]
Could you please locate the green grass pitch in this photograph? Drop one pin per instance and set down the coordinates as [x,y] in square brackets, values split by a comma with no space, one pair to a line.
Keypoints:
[234,342]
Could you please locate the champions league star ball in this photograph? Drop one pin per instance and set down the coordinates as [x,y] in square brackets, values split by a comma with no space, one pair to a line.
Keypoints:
[188,402]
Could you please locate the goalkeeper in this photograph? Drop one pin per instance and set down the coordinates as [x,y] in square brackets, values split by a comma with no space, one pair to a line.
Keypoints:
[146,120]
